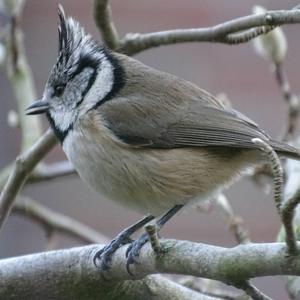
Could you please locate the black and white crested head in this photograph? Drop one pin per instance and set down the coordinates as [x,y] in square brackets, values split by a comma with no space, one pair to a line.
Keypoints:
[85,75]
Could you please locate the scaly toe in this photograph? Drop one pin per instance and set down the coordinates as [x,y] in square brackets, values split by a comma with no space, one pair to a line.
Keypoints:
[133,251]
[105,254]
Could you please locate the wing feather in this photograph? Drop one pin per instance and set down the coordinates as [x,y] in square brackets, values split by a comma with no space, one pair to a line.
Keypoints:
[195,125]
[158,110]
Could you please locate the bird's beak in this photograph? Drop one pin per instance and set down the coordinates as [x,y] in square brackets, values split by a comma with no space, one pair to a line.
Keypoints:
[37,107]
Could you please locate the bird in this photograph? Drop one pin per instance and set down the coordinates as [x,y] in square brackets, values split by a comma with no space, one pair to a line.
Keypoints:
[141,137]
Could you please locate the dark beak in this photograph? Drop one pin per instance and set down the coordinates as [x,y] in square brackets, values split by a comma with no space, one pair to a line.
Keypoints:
[37,107]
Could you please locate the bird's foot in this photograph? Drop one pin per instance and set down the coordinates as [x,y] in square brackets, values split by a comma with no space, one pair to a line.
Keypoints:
[104,255]
[134,249]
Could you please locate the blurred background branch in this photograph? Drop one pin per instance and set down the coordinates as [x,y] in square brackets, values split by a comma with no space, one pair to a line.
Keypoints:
[54,222]
[20,75]
[23,165]
[235,222]
[103,19]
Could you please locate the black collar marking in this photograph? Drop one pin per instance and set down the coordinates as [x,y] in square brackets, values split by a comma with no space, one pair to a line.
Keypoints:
[118,78]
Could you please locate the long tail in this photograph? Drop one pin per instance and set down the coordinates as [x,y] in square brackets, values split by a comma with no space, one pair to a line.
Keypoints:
[286,150]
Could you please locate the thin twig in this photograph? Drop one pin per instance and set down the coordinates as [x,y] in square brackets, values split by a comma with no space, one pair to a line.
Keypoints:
[43,172]
[252,291]
[247,35]
[292,102]
[235,222]
[51,243]
[24,164]
[136,42]
[292,190]
[51,171]
[276,171]
[103,19]
[53,221]
[211,288]
[153,238]
[288,212]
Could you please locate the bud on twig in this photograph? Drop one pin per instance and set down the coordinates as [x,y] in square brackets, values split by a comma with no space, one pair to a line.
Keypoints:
[13,119]
[271,46]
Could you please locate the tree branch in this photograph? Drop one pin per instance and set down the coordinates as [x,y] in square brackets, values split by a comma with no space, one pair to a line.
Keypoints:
[136,42]
[286,210]
[292,102]
[288,213]
[43,172]
[23,165]
[53,221]
[20,76]
[277,171]
[235,222]
[292,189]
[72,273]
[47,172]
[252,291]
[247,35]
[103,19]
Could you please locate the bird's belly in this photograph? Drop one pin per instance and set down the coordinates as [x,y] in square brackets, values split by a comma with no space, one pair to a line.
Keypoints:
[117,175]
[150,181]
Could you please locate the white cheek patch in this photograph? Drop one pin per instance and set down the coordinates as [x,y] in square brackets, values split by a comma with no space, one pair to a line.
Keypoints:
[63,119]
[101,87]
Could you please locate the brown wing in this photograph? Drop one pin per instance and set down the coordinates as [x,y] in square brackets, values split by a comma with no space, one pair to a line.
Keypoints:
[192,124]
[163,111]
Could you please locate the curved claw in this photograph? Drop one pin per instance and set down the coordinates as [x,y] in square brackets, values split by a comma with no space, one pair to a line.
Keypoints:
[97,256]
[106,253]
[133,251]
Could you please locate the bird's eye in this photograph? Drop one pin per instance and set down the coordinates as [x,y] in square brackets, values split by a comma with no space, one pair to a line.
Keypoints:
[58,90]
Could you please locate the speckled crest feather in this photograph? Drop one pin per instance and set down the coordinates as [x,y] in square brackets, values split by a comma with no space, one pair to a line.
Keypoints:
[85,75]
[73,43]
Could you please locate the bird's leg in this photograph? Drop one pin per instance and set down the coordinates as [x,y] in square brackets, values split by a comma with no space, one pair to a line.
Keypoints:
[135,247]
[105,254]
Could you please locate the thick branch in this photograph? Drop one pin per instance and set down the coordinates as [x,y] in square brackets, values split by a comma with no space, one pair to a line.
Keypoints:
[103,19]
[72,273]
[56,222]
[135,43]
[24,164]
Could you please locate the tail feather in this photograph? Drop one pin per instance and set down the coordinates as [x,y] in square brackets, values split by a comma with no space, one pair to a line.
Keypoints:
[286,150]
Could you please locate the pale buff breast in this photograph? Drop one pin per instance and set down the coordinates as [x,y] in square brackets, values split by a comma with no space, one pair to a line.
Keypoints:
[150,181]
